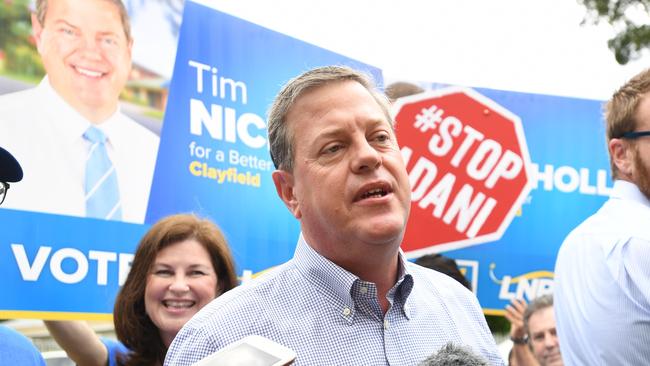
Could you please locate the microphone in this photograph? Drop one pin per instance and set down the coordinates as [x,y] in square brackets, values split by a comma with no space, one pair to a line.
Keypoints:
[454,355]
[253,350]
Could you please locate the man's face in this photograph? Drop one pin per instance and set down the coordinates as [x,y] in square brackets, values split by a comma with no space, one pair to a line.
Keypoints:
[641,149]
[85,53]
[543,337]
[349,185]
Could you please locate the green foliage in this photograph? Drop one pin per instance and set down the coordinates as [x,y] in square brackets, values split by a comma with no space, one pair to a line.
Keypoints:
[633,37]
[22,59]
[498,324]
[16,43]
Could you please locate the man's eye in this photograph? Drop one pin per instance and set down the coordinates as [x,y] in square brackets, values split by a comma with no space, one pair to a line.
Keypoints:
[109,41]
[332,149]
[383,138]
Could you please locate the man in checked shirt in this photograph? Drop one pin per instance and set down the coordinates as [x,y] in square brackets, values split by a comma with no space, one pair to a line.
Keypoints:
[348,296]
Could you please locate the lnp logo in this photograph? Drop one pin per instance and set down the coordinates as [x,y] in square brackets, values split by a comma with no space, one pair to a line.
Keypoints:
[526,286]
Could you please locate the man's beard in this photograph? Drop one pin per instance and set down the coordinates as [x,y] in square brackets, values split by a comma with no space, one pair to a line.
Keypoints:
[642,178]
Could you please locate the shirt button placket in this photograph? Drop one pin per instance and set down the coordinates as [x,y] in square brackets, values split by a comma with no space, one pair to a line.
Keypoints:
[346,311]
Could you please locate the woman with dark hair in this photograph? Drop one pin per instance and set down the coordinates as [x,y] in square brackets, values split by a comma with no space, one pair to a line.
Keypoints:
[181,264]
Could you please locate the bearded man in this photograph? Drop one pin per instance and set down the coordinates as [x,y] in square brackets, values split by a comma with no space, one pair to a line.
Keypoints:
[602,273]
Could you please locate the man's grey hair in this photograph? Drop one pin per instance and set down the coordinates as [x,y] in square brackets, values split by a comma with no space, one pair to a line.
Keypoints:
[454,355]
[280,138]
[541,302]
[41,11]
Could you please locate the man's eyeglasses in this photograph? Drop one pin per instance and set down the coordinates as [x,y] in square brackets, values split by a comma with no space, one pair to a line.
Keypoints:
[635,134]
[4,186]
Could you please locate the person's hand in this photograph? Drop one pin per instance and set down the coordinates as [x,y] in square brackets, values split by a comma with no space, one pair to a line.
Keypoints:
[515,315]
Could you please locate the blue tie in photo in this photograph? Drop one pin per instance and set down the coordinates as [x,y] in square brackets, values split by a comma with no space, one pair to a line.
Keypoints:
[102,191]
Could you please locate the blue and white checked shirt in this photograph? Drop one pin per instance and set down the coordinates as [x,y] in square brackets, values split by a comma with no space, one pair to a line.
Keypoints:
[329,316]
[602,284]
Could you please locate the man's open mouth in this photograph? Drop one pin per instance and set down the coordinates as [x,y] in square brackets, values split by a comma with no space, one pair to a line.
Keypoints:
[377,190]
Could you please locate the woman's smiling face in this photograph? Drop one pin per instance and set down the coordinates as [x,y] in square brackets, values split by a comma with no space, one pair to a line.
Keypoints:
[181,281]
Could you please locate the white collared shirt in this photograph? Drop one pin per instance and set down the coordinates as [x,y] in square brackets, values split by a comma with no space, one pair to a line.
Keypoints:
[329,316]
[602,284]
[45,134]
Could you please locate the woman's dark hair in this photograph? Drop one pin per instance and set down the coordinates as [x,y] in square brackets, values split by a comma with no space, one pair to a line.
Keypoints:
[132,324]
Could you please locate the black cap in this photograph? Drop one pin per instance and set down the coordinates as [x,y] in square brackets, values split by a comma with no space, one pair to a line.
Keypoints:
[10,170]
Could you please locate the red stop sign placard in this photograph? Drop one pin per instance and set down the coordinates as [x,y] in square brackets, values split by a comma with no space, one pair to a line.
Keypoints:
[468,166]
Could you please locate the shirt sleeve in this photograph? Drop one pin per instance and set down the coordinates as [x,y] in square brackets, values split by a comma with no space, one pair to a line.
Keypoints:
[189,347]
[114,348]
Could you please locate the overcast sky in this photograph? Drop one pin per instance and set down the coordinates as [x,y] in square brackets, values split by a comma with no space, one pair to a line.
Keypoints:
[519,45]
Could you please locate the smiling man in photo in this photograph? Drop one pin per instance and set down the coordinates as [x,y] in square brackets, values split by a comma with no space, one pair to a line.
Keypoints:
[81,155]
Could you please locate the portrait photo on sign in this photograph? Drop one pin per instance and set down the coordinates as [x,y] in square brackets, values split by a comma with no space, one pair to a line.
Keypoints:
[83,90]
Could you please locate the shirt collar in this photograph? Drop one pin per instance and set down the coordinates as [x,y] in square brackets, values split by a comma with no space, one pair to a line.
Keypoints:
[70,123]
[337,284]
[403,287]
[324,274]
[629,191]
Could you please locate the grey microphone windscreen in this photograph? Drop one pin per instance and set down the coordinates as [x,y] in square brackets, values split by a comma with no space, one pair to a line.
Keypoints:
[454,355]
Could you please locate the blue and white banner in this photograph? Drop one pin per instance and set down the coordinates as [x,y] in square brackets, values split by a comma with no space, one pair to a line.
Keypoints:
[63,267]
[214,157]
[212,160]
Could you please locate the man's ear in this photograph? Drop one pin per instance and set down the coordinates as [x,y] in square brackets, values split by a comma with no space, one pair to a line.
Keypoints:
[129,47]
[37,29]
[284,185]
[622,156]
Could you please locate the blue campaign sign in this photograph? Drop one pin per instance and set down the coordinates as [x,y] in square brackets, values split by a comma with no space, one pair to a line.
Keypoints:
[213,158]
[570,181]
[62,267]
